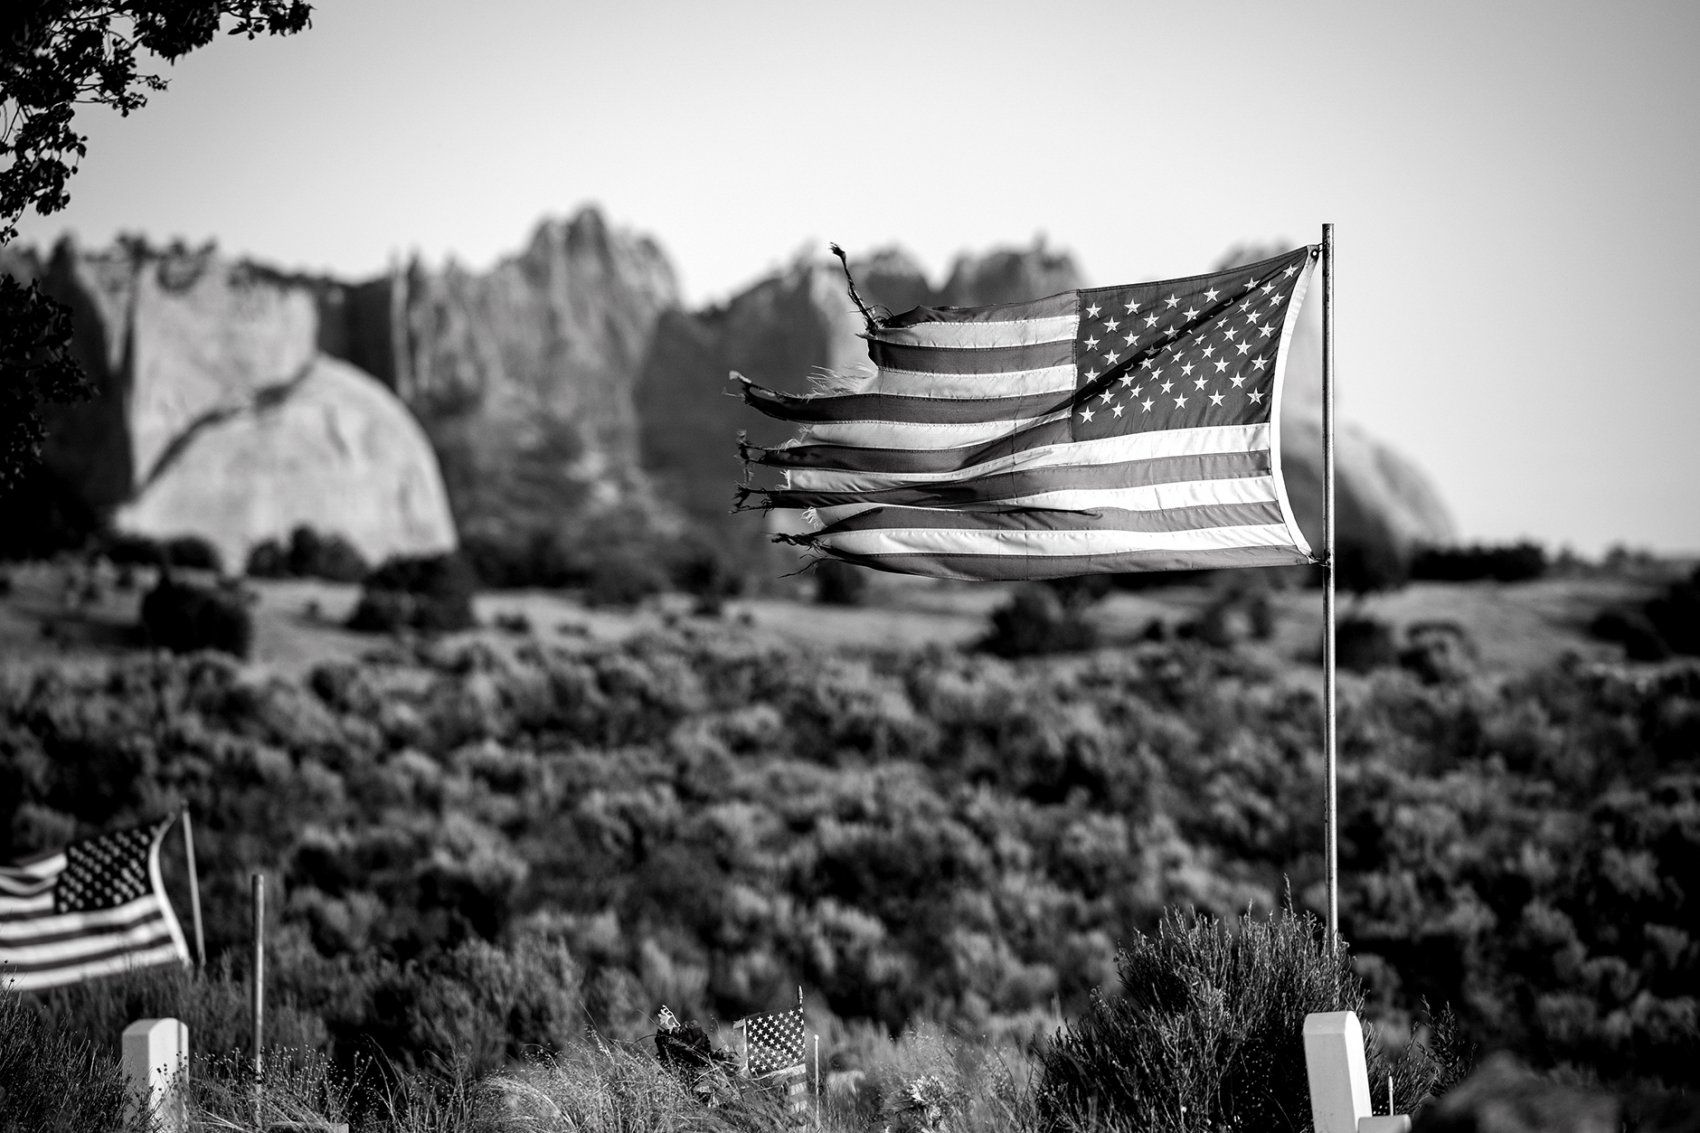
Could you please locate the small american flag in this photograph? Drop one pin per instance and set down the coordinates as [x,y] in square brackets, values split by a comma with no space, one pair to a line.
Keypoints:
[94,908]
[1110,429]
[774,1052]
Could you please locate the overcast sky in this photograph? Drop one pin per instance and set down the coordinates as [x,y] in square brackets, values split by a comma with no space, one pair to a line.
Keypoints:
[1514,186]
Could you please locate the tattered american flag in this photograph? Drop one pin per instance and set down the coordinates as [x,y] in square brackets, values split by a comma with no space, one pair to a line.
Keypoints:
[774,1051]
[94,908]
[1104,430]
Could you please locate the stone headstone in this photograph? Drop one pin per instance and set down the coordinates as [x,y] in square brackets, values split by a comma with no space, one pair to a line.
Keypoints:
[1334,1062]
[156,1061]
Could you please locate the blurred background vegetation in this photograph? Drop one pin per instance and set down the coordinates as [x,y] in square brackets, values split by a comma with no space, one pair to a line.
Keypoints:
[482,843]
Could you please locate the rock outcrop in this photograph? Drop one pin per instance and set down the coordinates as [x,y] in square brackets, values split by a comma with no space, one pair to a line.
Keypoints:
[522,376]
[331,449]
[216,415]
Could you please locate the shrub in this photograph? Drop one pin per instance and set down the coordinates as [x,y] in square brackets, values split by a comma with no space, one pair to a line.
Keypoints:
[192,552]
[1236,615]
[707,573]
[329,556]
[309,554]
[124,549]
[1438,652]
[1036,620]
[513,621]
[1511,562]
[508,563]
[840,584]
[1364,644]
[1207,1032]
[184,617]
[1633,630]
[1676,614]
[477,1003]
[624,577]
[1366,566]
[429,593]
[52,1082]
[268,559]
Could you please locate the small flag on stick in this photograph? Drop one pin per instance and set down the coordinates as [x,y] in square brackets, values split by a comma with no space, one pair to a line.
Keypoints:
[95,908]
[774,1053]
[1104,430]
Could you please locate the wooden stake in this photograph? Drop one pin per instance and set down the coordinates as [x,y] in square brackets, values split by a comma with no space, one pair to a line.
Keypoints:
[1332,863]
[194,890]
[259,992]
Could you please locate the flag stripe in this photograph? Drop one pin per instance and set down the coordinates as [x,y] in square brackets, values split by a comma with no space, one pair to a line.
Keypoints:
[36,927]
[1030,535]
[972,360]
[63,950]
[164,953]
[22,908]
[1057,380]
[1249,490]
[872,410]
[16,887]
[1196,524]
[1020,481]
[1042,445]
[1015,568]
[874,458]
[1038,328]
[1062,304]
[927,435]
[27,875]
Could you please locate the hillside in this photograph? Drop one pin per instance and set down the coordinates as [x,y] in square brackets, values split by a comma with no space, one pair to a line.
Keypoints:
[480,842]
[509,409]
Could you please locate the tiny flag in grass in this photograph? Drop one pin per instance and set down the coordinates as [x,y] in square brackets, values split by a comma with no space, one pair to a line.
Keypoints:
[92,909]
[1102,430]
[775,1054]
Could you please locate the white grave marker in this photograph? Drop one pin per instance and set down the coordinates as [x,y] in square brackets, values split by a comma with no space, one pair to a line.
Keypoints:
[156,1061]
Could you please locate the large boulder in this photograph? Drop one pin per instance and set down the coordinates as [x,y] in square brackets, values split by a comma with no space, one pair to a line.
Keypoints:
[332,449]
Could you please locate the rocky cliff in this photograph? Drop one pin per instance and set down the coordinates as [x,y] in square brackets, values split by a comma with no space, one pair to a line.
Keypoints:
[565,380]
[522,375]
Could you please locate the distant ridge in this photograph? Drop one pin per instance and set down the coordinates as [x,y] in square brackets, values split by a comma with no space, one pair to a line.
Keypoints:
[566,380]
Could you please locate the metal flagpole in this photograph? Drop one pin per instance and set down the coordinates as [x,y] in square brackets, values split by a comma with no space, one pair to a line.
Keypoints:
[194,890]
[1332,864]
